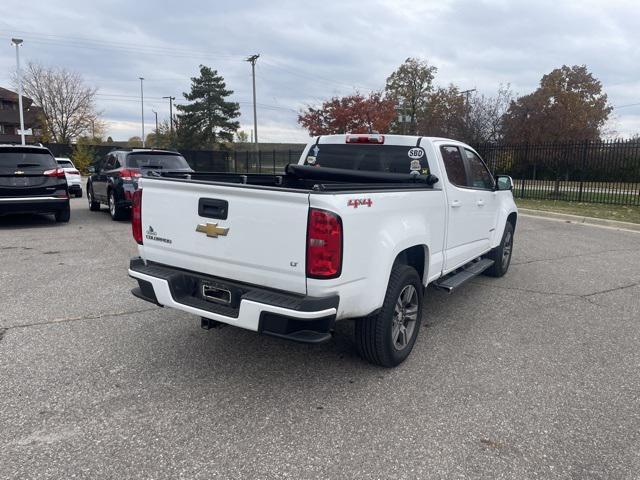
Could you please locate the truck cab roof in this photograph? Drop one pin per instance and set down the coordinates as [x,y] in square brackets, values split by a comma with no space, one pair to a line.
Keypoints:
[408,140]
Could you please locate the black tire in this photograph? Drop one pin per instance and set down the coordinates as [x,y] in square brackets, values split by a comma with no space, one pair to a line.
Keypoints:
[375,335]
[501,255]
[79,194]
[93,205]
[63,216]
[117,213]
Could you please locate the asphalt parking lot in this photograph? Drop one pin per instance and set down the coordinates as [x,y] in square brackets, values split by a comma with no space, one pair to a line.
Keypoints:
[534,375]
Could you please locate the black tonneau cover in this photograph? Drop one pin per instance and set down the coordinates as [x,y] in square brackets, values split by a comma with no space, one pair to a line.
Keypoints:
[361,176]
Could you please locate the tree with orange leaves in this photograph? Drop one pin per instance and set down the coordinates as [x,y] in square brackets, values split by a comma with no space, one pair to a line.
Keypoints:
[352,113]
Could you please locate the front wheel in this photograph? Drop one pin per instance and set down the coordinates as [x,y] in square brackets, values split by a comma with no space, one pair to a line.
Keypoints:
[387,338]
[501,255]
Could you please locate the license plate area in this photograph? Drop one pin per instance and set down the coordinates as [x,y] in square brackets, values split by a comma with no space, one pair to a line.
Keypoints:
[213,292]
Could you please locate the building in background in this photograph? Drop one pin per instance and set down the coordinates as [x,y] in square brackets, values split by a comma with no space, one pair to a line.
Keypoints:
[10,118]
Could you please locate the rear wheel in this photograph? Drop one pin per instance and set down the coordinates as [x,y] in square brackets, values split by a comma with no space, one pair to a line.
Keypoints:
[117,213]
[79,194]
[387,338]
[93,205]
[63,215]
[501,255]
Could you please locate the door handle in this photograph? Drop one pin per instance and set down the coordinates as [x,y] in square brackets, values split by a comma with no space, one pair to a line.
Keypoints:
[456,204]
[480,203]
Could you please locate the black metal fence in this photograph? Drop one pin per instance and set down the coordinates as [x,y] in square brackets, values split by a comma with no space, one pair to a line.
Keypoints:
[593,172]
[247,161]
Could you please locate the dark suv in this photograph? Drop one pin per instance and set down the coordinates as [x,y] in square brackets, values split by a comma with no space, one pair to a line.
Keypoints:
[114,178]
[32,182]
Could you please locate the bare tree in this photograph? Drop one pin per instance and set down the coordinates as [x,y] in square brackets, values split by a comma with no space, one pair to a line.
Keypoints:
[485,115]
[68,105]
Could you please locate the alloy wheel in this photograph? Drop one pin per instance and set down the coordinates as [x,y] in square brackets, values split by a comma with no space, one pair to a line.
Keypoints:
[405,315]
[506,250]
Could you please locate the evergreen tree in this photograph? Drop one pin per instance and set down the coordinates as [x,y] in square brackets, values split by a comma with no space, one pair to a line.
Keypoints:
[208,119]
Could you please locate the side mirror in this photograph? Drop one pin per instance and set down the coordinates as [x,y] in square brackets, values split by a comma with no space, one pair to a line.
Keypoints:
[91,169]
[504,182]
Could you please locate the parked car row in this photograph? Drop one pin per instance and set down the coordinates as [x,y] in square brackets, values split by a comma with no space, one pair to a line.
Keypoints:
[32,180]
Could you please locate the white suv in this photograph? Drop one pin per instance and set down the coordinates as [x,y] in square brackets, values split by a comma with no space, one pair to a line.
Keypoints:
[74,180]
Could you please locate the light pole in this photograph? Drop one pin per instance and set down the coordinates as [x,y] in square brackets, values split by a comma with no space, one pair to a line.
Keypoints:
[466,93]
[17,42]
[253,59]
[142,107]
[156,114]
[171,99]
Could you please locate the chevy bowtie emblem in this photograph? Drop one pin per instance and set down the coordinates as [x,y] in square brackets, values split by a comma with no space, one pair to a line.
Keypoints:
[212,229]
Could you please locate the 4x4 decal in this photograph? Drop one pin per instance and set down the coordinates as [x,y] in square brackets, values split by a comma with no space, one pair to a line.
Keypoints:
[356,202]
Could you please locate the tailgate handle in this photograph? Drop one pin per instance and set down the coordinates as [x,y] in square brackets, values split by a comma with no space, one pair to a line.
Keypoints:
[213,208]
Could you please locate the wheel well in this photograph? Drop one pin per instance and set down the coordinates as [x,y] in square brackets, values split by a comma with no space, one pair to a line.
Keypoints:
[414,257]
[512,219]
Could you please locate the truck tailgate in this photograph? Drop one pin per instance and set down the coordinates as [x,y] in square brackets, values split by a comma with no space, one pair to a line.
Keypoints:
[265,243]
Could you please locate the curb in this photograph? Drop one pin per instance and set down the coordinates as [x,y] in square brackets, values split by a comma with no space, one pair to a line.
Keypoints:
[600,222]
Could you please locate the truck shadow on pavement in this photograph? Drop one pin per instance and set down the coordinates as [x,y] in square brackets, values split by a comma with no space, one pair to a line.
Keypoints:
[234,351]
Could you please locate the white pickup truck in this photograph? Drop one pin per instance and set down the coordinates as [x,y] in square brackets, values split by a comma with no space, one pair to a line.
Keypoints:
[356,230]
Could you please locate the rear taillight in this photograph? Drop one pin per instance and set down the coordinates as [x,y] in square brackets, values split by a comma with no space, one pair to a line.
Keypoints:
[136,216]
[130,173]
[54,172]
[73,172]
[324,244]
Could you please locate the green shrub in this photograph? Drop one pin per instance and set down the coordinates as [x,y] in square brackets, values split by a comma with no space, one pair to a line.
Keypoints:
[83,156]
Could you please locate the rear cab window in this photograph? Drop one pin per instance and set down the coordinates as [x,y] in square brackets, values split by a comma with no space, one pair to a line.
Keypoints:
[372,158]
[164,161]
[26,159]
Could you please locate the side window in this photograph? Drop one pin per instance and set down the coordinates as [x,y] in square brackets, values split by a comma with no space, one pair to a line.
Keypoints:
[478,172]
[111,161]
[454,165]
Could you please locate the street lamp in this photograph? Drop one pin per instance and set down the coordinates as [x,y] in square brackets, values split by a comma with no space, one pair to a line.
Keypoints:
[466,93]
[171,99]
[156,114]
[142,107]
[252,60]
[17,42]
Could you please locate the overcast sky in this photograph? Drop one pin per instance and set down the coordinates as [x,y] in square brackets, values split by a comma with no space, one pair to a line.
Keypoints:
[310,51]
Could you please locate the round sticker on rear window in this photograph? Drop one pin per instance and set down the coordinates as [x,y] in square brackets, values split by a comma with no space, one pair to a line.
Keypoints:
[416,153]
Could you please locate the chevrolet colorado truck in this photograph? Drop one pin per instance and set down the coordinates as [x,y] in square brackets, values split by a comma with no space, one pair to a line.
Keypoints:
[356,230]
